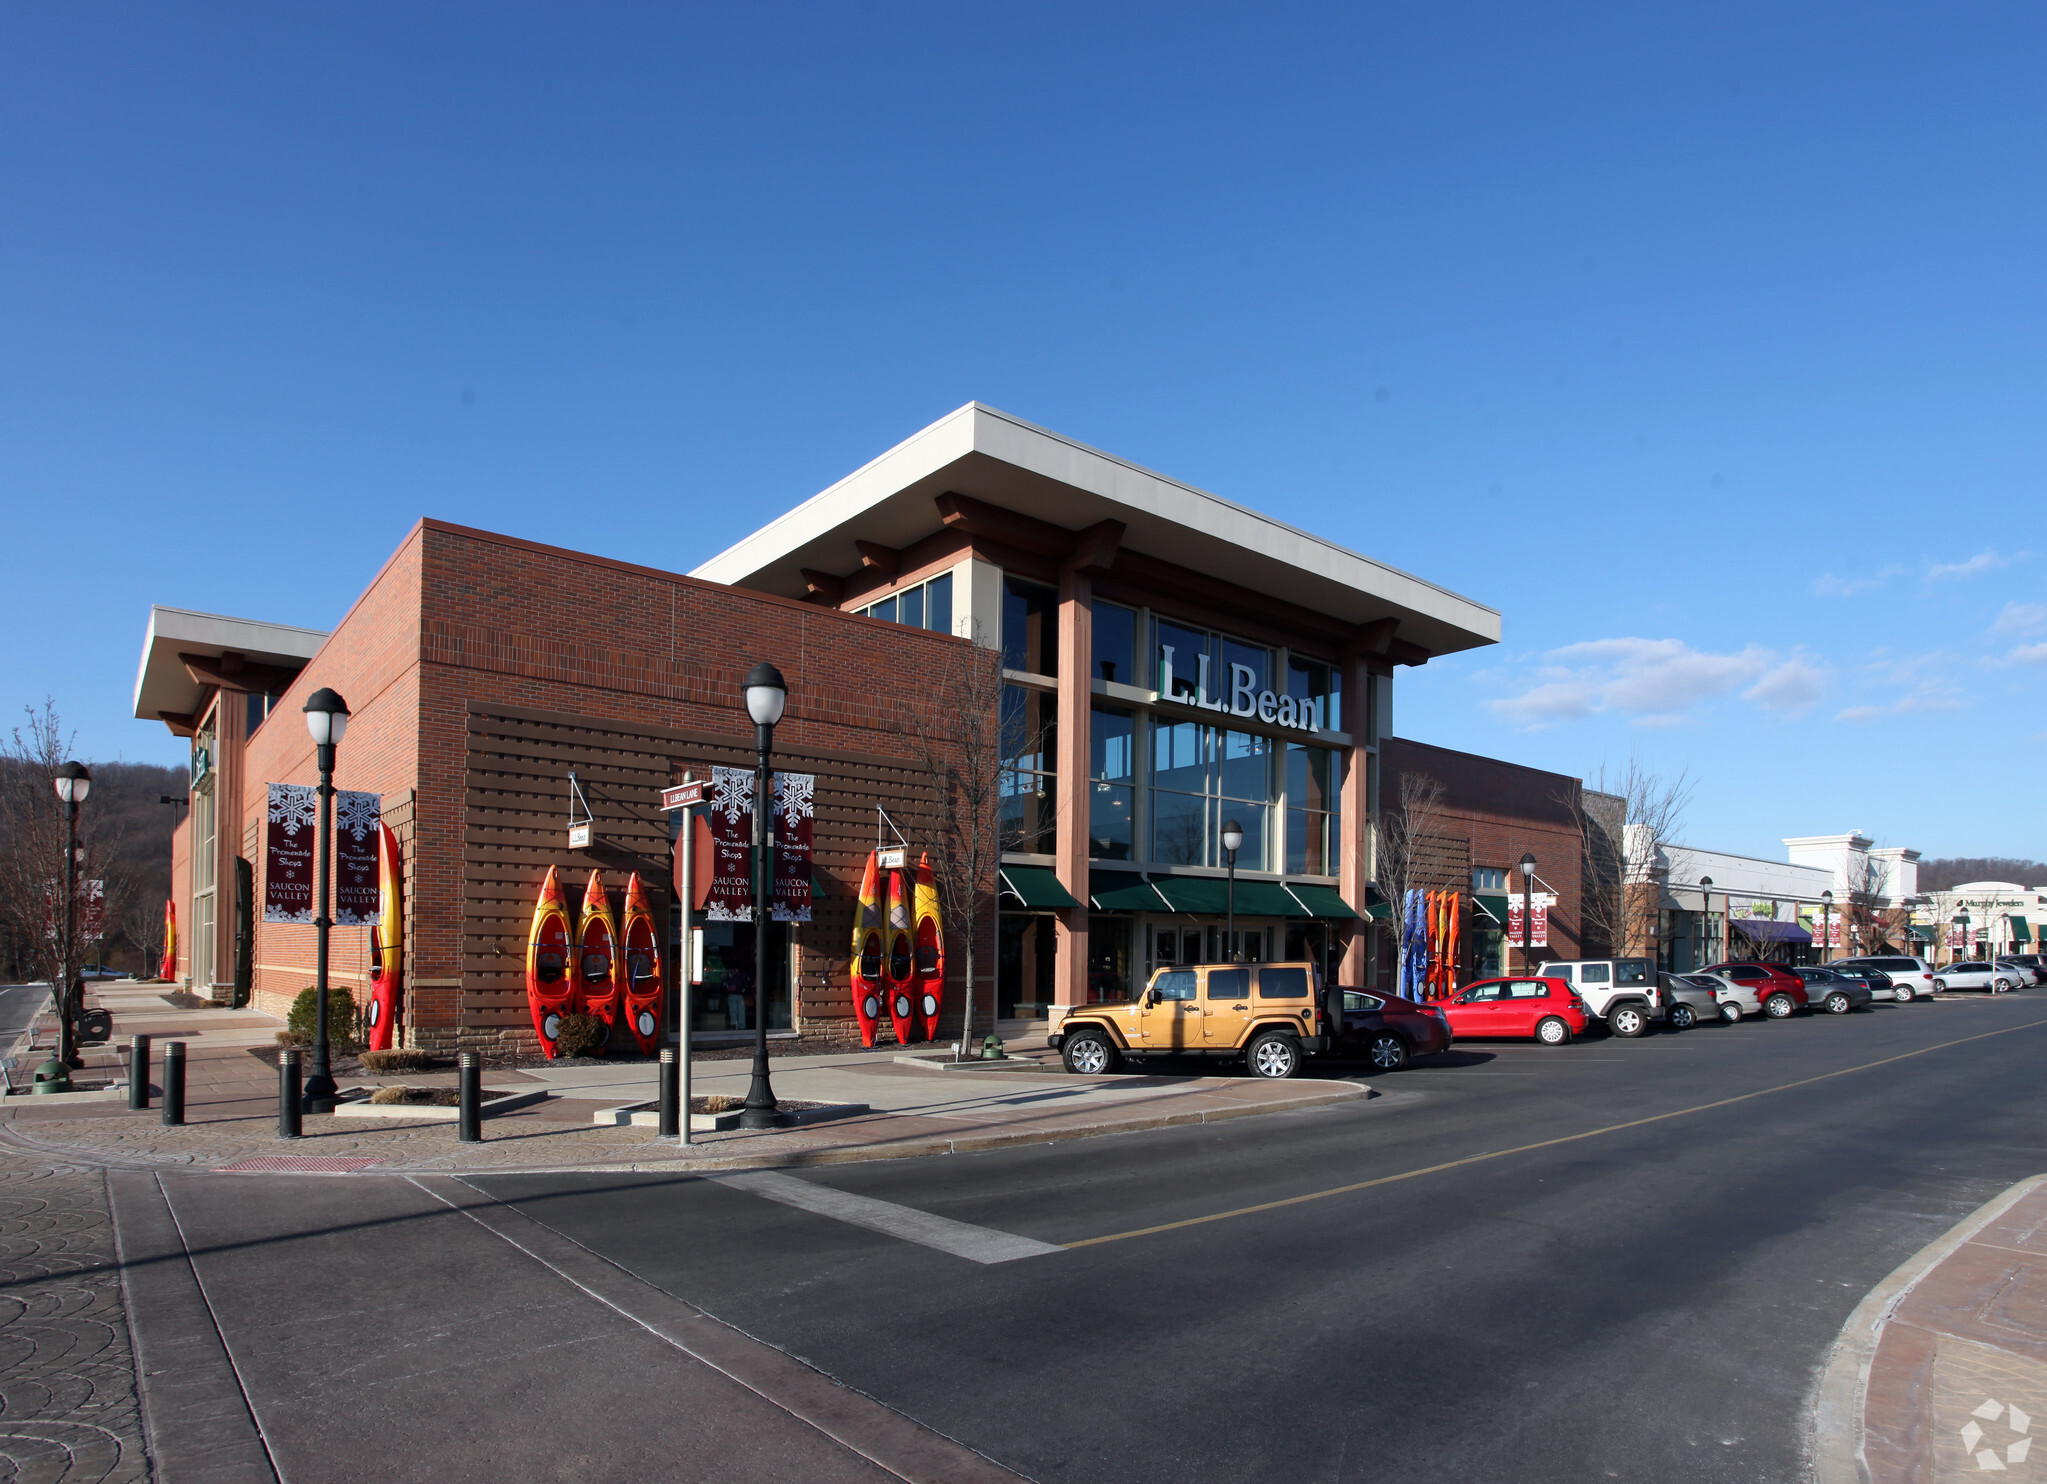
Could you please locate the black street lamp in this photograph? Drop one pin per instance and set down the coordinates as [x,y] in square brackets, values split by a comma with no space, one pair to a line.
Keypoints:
[1527,910]
[1233,841]
[766,694]
[73,781]
[1962,922]
[1826,925]
[327,720]
[1706,918]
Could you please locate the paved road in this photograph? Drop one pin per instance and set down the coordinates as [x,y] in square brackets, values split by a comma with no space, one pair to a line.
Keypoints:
[19,1004]
[1612,1260]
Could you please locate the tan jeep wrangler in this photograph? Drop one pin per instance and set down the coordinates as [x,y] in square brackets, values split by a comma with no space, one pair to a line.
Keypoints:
[1269,1014]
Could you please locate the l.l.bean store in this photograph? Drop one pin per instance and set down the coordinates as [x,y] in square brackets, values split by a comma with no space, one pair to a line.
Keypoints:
[1171,662]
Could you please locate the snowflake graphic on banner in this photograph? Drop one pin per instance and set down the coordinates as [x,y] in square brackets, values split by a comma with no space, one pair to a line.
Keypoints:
[795,795]
[293,806]
[731,792]
[356,812]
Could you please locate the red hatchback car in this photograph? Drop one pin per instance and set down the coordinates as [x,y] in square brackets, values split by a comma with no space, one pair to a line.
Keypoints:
[1766,982]
[1547,1009]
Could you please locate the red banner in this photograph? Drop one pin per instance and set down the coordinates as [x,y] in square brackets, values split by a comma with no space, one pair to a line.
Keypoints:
[730,820]
[1538,934]
[288,853]
[358,881]
[795,810]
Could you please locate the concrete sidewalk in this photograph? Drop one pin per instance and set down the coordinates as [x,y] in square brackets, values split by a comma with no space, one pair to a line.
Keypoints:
[1941,1372]
[231,1102]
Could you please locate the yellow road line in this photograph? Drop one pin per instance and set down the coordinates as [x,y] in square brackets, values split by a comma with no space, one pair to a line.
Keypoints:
[1472,1159]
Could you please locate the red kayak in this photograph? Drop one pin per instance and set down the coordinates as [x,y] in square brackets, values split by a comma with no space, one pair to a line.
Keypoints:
[867,989]
[387,941]
[598,977]
[930,949]
[644,987]
[899,969]
[549,988]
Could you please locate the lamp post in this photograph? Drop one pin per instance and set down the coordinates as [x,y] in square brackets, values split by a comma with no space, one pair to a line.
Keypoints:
[73,781]
[327,720]
[1233,841]
[1826,925]
[1527,909]
[766,694]
[1706,918]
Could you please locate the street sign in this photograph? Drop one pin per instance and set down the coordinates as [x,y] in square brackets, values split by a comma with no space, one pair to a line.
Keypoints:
[891,860]
[579,837]
[684,795]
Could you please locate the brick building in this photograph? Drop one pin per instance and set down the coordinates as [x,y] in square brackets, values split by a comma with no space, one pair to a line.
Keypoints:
[1171,662]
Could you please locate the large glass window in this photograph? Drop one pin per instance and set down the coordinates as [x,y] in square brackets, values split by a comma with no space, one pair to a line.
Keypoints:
[1312,781]
[1115,643]
[1030,627]
[205,863]
[1112,775]
[1201,776]
[724,1001]
[1182,658]
[928,605]
[1317,685]
[1029,752]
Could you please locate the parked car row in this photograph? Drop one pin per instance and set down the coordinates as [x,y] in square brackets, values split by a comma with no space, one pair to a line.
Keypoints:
[1274,1016]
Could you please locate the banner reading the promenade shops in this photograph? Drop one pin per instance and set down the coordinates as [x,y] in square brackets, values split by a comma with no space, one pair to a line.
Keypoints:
[1538,928]
[288,853]
[795,808]
[730,817]
[358,883]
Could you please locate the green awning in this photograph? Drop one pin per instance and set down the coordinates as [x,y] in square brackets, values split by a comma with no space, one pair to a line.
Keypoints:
[1122,891]
[1267,899]
[2020,933]
[1375,906]
[1322,901]
[1034,887]
[1202,895]
[1494,907]
[1924,935]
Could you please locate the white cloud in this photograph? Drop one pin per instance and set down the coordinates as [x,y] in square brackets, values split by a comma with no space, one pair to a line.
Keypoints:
[2027,654]
[1931,697]
[1981,562]
[2021,619]
[1790,688]
[1654,682]
[1827,585]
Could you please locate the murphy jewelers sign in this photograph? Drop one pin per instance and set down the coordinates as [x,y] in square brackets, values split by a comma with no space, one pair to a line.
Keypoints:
[290,837]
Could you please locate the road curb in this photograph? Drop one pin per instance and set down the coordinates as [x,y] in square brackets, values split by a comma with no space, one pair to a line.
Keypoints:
[1838,1398]
[915,1148]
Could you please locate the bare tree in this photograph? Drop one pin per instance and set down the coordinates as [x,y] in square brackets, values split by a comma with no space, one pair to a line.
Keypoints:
[1866,912]
[32,846]
[963,748]
[1626,820]
[1404,850]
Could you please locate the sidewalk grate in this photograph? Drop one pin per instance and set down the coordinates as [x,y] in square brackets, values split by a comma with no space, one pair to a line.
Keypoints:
[296,1164]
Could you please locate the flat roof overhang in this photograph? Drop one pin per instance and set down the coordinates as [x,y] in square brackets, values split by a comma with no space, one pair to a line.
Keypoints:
[1001,460]
[187,654]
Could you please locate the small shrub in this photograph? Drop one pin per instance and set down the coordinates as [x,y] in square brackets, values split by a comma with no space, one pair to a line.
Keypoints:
[717,1102]
[427,1097]
[341,1017]
[294,1038]
[581,1035]
[396,1061]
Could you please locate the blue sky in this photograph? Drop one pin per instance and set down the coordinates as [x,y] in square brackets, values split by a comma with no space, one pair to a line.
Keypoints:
[1704,342]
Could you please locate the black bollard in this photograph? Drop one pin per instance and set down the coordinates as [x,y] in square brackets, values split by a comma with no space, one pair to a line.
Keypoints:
[671,1078]
[173,1084]
[469,1116]
[138,1072]
[290,1124]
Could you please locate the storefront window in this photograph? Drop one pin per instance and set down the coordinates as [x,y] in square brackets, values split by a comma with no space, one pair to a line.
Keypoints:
[1112,774]
[1311,796]
[205,862]
[1108,959]
[724,1001]
[1201,776]
[1025,961]
[1176,661]
[1030,627]
[1319,685]
[1029,787]
[1115,643]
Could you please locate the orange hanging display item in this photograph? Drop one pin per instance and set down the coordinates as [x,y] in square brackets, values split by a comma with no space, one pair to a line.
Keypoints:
[168,969]
[387,941]
[550,986]
[1455,949]
[644,986]
[930,949]
[597,967]
[899,970]
[866,971]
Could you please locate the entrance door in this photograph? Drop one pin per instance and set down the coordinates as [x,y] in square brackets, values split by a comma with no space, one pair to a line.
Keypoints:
[1172,1022]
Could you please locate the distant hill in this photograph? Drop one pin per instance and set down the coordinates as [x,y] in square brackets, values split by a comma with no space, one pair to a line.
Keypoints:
[1949,872]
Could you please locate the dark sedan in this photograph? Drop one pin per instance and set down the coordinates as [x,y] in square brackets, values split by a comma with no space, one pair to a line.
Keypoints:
[1386,1030]
[1833,991]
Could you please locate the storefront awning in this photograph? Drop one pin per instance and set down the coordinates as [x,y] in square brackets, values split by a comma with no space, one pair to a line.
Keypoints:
[1267,899]
[1193,894]
[1034,887]
[1769,930]
[1921,935]
[1494,907]
[2020,932]
[1322,901]
[1123,891]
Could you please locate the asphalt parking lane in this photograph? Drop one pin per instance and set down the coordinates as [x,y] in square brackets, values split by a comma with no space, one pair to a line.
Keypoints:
[1652,1301]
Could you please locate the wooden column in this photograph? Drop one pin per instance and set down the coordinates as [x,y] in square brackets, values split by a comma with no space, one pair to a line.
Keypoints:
[1360,797]
[1076,652]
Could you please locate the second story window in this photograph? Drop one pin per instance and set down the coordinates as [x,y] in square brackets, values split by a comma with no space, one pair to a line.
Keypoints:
[1030,627]
[928,605]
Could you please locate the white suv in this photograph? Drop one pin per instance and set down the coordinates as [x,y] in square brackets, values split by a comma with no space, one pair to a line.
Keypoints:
[1619,991]
[1910,977]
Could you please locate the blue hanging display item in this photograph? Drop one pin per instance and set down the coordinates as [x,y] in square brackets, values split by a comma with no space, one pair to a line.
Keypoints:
[1414,945]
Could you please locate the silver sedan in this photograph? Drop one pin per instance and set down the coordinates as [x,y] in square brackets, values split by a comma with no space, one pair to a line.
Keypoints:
[1976,974]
